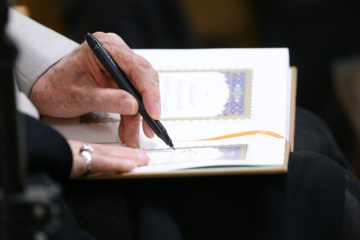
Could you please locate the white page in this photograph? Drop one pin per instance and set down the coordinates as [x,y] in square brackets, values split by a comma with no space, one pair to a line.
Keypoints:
[243,151]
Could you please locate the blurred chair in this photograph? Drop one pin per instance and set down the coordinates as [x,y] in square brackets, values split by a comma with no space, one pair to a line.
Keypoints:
[346,76]
[22,9]
[46,12]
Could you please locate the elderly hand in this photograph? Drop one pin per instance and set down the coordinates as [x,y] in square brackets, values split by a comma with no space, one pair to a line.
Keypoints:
[79,84]
[106,158]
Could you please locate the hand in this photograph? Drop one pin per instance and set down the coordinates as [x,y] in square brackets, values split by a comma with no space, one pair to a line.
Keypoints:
[79,84]
[106,158]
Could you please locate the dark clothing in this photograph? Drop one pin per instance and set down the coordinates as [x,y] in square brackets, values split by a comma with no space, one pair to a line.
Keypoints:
[69,229]
[306,203]
[309,202]
[317,199]
[318,33]
[53,156]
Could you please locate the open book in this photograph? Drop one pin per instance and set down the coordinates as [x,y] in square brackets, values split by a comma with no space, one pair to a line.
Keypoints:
[228,111]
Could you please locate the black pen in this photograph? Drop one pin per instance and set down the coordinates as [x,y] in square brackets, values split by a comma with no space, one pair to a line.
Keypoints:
[123,82]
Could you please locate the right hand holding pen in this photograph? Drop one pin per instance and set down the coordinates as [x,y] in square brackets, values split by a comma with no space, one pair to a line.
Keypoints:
[79,84]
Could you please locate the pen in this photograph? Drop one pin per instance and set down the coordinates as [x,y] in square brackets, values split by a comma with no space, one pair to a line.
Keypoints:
[123,82]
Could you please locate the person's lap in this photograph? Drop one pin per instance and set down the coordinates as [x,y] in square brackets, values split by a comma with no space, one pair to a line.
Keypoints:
[306,203]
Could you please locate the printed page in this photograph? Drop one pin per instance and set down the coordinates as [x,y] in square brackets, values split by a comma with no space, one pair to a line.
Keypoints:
[236,152]
[222,91]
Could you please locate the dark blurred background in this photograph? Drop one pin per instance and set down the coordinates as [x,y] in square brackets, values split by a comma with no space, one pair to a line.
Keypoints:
[318,33]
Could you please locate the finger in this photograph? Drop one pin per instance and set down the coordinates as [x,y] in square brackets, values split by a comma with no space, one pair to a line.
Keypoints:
[105,158]
[146,81]
[121,131]
[117,159]
[111,100]
[152,102]
[147,129]
[138,70]
[131,130]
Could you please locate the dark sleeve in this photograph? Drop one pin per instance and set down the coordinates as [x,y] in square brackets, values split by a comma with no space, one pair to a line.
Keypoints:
[47,150]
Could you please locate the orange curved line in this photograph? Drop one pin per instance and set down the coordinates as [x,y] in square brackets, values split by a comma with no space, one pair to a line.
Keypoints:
[244,134]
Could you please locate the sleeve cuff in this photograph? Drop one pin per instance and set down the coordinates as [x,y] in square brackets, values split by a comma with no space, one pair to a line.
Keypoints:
[39,48]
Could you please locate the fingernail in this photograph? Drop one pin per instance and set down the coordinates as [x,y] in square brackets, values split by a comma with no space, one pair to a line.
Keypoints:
[157,110]
[127,106]
[142,156]
[136,141]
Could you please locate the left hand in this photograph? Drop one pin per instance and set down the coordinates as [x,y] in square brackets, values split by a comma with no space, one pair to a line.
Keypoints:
[79,84]
[106,158]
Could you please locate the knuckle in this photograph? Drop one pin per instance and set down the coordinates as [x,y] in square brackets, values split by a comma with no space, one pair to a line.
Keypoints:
[140,61]
[115,36]
[156,76]
[99,35]
[136,121]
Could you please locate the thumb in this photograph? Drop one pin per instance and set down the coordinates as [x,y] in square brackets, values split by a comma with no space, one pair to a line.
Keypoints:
[112,100]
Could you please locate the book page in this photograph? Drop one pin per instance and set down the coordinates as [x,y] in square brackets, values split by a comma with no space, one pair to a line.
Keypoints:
[241,151]
[222,91]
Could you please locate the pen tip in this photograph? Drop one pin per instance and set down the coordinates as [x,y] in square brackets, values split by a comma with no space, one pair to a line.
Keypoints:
[171,145]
